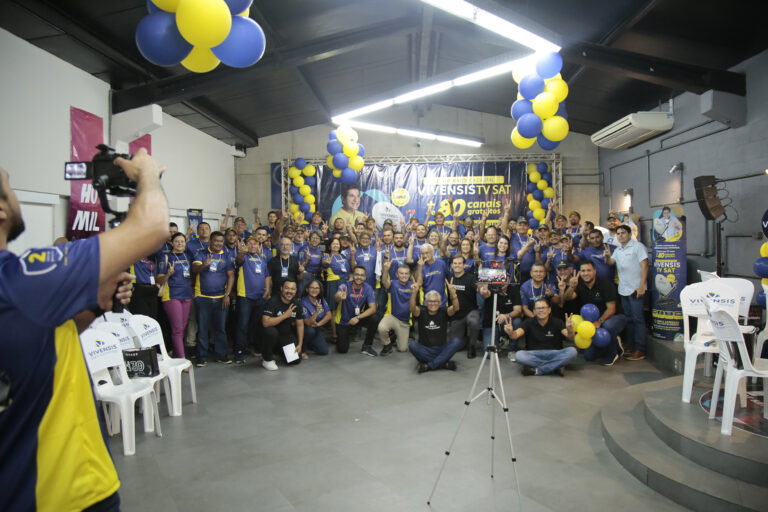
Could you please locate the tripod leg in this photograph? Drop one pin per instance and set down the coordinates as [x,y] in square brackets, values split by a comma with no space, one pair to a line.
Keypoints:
[503,402]
[493,412]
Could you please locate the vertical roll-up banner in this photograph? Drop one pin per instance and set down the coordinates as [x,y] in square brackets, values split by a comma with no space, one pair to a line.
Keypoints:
[194,217]
[86,218]
[668,277]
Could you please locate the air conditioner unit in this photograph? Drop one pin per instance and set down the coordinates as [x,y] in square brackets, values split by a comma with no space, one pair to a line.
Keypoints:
[633,129]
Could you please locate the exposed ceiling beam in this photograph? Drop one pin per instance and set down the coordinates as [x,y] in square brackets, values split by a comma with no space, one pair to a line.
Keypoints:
[175,89]
[425,43]
[674,75]
[206,108]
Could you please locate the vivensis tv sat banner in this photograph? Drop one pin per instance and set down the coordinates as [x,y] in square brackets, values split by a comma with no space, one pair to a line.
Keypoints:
[668,277]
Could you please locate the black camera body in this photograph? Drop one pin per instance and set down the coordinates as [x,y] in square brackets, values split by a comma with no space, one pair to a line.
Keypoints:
[107,178]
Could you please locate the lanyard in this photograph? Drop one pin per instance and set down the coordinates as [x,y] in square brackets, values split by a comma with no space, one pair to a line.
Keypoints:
[287,265]
[541,289]
[357,298]
[520,239]
[145,260]
[179,259]
[397,256]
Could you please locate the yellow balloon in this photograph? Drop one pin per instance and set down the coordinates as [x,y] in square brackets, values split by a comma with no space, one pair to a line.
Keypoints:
[167,5]
[346,135]
[581,342]
[309,199]
[305,190]
[557,87]
[200,60]
[764,250]
[305,221]
[312,208]
[530,168]
[534,205]
[520,96]
[529,197]
[356,163]
[329,162]
[309,170]
[204,23]
[549,192]
[539,214]
[534,177]
[293,208]
[350,149]
[293,172]
[545,105]
[542,185]
[556,77]
[586,329]
[298,181]
[555,128]
[521,142]
[576,320]
[337,173]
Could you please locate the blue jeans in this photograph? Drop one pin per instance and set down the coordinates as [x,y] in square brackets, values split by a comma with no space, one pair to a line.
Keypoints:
[545,361]
[613,325]
[435,357]
[633,308]
[210,314]
[249,312]
[315,341]
[516,323]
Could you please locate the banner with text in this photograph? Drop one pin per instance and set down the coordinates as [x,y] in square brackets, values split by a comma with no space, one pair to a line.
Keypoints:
[668,276]
[86,218]
[194,217]
[400,191]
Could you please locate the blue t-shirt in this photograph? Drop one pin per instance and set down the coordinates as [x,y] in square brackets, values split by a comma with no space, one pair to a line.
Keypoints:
[556,259]
[52,448]
[299,250]
[452,251]
[397,257]
[444,230]
[309,308]
[315,260]
[212,282]
[486,251]
[145,271]
[434,275]
[194,245]
[366,257]
[529,258]
[358,299]
[231,253]
[574,234]
[179,285]
[266,253]
[529,293]
[597,256]
[399,300]
[340,268]
[252,276]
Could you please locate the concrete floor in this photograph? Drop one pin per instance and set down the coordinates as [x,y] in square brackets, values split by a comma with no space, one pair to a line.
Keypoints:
[350,432]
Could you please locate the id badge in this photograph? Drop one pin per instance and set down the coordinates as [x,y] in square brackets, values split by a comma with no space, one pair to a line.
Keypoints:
[152,280]
[284,272]
[357,311]
[186,271]
[257,268]
[342,268]
[214,265]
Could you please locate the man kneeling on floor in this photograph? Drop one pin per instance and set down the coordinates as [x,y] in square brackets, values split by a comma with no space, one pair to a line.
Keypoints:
[544,337]
[431,350]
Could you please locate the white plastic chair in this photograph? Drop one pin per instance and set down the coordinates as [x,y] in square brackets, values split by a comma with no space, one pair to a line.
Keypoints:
[706,276]
[703,341]
[149,334]
[102,350]
[731,341]
[763,336]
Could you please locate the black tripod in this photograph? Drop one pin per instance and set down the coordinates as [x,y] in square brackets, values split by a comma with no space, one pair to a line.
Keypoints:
[494,378]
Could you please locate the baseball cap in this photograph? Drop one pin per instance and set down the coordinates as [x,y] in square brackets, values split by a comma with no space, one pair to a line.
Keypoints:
[562,264]
[238,219]
[611,216]
[574,212]
[522,219]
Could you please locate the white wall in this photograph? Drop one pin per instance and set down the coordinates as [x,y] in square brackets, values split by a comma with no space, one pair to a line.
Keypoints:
[578,154]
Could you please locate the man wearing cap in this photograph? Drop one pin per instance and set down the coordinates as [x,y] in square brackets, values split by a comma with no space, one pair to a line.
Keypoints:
[613,222]
[574,230]
[350,202]
[522,249]
[595,253]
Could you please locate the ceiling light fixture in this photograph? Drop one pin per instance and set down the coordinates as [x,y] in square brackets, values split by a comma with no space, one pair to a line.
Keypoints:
[676,167]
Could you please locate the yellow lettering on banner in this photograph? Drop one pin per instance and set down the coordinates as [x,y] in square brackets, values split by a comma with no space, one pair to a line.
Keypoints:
[463,180]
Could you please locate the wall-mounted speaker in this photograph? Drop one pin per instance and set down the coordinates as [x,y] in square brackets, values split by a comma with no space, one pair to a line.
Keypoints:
[706,195]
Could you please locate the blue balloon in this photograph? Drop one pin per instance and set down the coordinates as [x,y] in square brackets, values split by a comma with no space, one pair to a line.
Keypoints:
[538,195]
[547,176]
[244,45]
[361,150]
[159,40]
[341,161]
[531,86]
[561,111]
[529,214]
[549,64]
[761,267]
[305,207]
[545,143]
[531,187]
[601,338]
[152,8]
[297,198]
[529,126]
[545,202]
[542,167]
[520,108]
[293,190]
[332,135]
[238,6]
[589,312]
[310,180]
[334,147]
[533,222]
[761,298]
[300,164]
[348,176]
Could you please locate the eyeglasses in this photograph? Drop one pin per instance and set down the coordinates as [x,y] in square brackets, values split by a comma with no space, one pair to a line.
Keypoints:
[541,307]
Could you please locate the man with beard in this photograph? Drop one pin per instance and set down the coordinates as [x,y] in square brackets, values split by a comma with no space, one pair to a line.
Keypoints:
[262,236]
[574,230]
[281,324]
[284,266]
[399,318]
[450,247]
[522,249]
[358,307]
[53,454]
[466,321]
[595,253]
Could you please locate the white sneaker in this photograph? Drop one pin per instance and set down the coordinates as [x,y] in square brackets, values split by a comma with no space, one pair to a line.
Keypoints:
[269,365]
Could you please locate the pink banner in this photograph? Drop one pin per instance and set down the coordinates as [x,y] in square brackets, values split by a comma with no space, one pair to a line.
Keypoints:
[142,142]
[86,218]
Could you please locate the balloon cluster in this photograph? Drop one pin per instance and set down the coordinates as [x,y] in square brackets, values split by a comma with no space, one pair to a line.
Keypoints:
[540,193]
[303,188]
[345,155]
[540,107]
[761,269]
[199,34]
[586,334]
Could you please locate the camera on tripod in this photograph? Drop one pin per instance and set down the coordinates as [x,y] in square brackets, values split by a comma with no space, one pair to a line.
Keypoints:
[107,178]
[493,274]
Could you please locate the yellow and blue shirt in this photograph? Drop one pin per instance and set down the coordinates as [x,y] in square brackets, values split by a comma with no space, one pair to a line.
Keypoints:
[179,285]
[53,456]
[212,282]
[251,277]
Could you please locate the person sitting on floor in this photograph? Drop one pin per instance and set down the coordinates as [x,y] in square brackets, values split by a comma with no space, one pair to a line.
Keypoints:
[433,351]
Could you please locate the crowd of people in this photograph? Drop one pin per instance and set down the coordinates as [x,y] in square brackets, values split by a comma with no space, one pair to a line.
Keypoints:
[284,289]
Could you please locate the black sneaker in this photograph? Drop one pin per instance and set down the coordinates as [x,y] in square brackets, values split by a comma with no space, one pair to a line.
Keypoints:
[368,351]
[450,365]
[527,371]
[201,363]
[471,352]
[239,360]
[423,367]
[560,371]
[386,349]
[224,360]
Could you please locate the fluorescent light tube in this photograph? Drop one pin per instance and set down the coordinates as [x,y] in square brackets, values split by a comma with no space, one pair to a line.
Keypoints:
[373,107]
[424,91]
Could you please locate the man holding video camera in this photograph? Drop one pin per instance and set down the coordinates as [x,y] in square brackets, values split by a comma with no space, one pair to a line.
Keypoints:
[52,453]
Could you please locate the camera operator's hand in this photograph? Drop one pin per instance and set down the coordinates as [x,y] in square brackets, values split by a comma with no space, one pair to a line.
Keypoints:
[120,288]
[140,165]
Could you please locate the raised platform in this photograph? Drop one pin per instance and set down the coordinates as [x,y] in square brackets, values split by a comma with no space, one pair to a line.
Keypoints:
[676,450]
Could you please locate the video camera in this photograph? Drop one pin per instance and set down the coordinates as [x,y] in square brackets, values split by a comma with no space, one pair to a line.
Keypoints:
[107,178]
[493,274]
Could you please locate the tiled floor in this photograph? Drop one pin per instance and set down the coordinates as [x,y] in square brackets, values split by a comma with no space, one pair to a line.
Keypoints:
[350,432]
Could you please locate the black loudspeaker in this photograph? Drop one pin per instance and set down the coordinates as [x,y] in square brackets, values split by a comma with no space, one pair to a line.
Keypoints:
[706,194]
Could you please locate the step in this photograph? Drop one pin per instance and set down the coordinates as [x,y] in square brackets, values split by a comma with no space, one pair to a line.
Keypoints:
[635,445]
[686,429]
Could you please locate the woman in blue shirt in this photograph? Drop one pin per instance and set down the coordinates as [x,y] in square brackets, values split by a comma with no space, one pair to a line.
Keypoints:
[337,270]
[316,315]
[176,275]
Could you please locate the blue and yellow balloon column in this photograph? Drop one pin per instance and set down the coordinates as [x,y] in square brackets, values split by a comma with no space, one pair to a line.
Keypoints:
[540,193]
[303,189]
[345,154]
